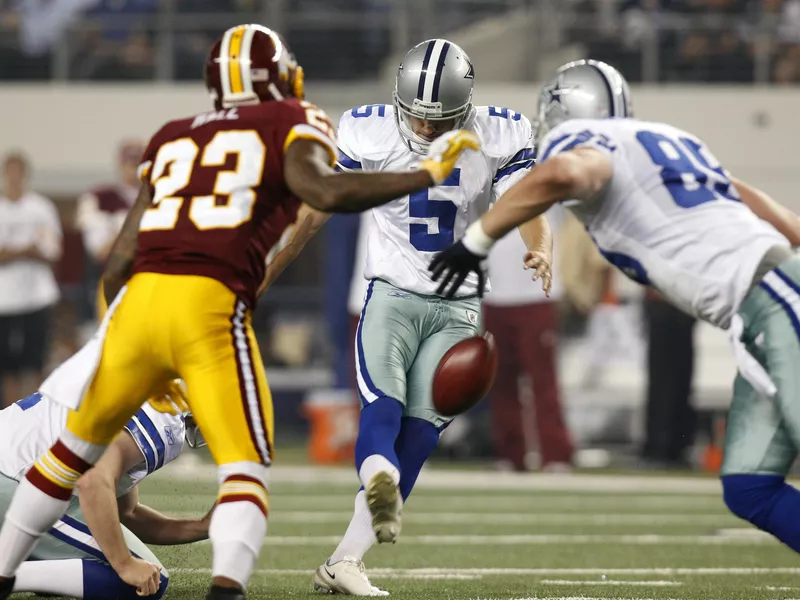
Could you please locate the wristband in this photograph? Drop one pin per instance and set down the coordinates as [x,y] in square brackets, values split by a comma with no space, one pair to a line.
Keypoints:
[476,241]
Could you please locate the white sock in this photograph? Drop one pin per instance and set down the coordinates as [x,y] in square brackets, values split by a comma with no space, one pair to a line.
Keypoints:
[239,522]
[32,512]
[376,463]
[359,536]
[56,577]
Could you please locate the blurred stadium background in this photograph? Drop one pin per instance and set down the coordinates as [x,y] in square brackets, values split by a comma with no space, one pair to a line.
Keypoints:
[83,80]
[606,376]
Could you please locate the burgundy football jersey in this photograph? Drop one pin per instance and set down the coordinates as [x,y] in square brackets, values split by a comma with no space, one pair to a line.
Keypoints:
[220,202]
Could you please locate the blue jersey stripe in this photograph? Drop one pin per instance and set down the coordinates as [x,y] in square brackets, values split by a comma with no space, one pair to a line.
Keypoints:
[525,164]
[152,431]
[136,430]
[60,535]
[347,162]
[439,70]
[546,154]
[360,345]
[784,304]
[424,72]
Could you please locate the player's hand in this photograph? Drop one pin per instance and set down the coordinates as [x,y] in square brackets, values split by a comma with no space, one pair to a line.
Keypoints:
[144,576]
[445,151]
[539,262]
[452,266]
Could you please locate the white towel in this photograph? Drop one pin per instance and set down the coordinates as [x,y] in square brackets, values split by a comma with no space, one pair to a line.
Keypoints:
[68,384]
[749,367]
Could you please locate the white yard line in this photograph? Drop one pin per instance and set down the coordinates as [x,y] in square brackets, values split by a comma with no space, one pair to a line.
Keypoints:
[503,518]
[540,539]
[612,583]
[483,572]
[454,479]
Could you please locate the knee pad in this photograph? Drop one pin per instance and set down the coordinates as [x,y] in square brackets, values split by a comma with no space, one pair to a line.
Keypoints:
[751,497]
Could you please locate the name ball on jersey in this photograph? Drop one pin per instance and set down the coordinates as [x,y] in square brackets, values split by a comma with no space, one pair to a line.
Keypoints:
[465,375]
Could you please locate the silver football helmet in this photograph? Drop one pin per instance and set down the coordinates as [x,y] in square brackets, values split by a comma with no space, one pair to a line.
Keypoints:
[434,83]
[584,89]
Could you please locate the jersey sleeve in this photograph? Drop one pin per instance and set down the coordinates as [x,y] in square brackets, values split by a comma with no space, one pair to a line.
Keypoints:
[349,157]
[519,154]
[149,156]
[578,133]
[303,120]
[147,436]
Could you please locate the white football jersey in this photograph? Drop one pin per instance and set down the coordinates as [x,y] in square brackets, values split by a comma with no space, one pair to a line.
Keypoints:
[406,233]
[31,426]
[670,217]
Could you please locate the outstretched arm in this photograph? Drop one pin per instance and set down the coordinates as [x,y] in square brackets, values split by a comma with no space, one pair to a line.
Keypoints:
[579,174]
[538,238]
[97,495]
[767,209]
[120,260]
[309,222]
[311,178]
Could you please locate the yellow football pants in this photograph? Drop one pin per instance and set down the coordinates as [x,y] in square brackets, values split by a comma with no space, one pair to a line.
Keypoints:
[195,328]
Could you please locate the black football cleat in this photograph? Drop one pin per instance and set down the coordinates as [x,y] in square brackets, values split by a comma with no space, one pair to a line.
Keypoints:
[5,587]
[219,593]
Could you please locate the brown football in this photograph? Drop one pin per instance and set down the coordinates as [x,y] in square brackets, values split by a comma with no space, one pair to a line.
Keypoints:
[465,375]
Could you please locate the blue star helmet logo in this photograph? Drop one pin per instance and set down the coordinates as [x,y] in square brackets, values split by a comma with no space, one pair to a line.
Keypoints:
[556,92]
[471,73]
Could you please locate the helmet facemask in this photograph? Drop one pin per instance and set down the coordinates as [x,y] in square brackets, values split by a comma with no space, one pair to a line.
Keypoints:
[426,111]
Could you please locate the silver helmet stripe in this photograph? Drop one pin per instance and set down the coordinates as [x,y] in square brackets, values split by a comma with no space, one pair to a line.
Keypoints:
[224,71]
[423,74]
[436,48]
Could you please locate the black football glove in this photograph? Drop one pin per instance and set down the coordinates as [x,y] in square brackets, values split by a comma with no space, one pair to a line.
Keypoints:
[452,265]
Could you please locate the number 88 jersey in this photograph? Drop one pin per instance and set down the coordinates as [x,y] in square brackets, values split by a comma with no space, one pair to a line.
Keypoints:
[404,234]
[219,199]
[670,216]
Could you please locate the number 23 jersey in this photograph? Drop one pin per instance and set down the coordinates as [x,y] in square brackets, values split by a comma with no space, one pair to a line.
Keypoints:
[220,201]
[405,234]
[670,216]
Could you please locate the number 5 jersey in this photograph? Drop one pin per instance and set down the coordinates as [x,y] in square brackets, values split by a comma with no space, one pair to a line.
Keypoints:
[407,232]
[670,216]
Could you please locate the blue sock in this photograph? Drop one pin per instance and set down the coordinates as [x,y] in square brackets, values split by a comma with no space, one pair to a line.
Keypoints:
[101,582]
[767,502]
[378,429]
[415,443]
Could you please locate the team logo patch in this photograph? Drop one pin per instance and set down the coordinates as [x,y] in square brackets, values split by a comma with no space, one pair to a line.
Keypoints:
[396,294]
[170,436]
[472,317]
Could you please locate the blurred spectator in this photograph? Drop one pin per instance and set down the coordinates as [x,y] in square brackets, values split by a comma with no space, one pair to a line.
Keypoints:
[102,211]
[133,60]
[30,242]
[525,324]
[670,419]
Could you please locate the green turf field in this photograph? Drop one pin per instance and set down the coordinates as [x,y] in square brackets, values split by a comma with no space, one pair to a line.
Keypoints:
[486,535]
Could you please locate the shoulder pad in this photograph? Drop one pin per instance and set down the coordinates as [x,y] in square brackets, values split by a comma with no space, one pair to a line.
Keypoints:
[368,130]
[502,131]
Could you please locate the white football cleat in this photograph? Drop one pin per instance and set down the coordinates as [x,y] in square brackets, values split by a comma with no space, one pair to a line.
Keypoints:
[345,577]
[385,505]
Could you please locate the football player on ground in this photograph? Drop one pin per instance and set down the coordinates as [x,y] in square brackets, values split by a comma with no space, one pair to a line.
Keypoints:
[661,208]
[92,556]
[405,329]
[219,191]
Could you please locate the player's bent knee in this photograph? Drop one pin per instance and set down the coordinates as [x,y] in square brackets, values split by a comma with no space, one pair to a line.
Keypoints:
[162,588]
[751,497]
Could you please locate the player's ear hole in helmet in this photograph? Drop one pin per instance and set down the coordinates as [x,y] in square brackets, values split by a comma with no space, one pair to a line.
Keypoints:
[584,89]
[433,92]
[251,64]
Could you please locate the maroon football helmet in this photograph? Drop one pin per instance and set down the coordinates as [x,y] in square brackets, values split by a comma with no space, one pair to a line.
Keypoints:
[251,64]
